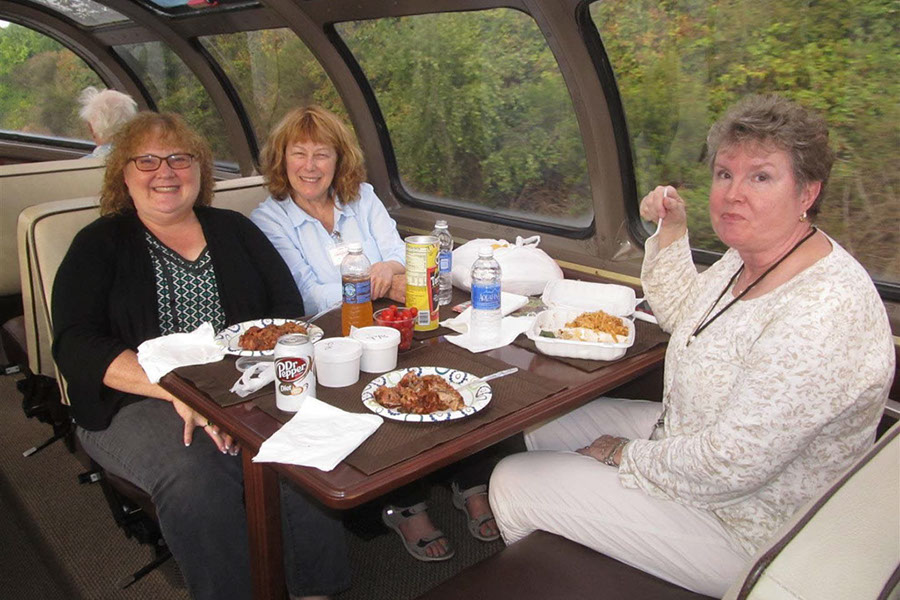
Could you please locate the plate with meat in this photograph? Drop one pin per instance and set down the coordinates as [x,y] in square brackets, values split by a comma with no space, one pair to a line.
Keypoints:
[426,395]
[258,337]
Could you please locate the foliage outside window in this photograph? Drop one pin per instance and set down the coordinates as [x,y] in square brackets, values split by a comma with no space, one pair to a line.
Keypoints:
[679,65]
[273,72]
[478,113]
[40,81]
[174,88]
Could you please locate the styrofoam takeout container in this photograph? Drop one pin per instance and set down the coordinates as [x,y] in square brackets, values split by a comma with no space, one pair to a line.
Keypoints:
[585,296]
[555,319]
[380,344]
[337,361]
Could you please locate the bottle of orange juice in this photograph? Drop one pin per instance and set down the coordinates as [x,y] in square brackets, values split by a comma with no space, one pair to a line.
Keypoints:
[356,309]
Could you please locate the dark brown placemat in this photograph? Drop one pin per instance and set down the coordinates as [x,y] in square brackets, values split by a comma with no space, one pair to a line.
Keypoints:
[395,441]
[216,379]
[646,336]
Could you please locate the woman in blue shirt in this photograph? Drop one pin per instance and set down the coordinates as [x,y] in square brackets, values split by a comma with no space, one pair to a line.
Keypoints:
[319,203]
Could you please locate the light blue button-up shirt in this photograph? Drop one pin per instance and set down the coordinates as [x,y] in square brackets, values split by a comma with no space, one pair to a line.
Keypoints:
[304,244]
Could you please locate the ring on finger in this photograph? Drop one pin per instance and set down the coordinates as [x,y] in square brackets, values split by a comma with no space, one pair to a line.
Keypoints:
[208,424]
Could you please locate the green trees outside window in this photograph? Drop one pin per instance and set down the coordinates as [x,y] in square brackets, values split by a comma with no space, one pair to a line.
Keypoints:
[477,112]
[679,65]
[40,80]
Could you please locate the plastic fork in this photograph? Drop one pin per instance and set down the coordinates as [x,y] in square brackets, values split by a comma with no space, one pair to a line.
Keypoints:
[486,378]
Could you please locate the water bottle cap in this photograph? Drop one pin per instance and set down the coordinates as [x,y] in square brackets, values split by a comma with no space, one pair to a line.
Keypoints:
[486,251]
[440,223]
[354,246]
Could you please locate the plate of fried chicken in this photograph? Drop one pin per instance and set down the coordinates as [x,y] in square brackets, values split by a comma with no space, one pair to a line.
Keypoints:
[426,394]
[258,337]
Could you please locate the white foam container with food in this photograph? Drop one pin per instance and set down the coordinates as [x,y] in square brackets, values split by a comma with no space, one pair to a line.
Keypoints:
[555,319]
[380,345]
[587,296]
[337,361]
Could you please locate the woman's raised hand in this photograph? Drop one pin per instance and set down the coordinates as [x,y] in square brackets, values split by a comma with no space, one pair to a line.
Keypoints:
[664,203]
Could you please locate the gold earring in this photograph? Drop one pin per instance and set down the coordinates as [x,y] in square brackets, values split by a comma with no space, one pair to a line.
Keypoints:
[803,216]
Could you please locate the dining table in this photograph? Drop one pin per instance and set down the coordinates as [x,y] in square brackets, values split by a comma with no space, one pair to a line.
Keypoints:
[398,452]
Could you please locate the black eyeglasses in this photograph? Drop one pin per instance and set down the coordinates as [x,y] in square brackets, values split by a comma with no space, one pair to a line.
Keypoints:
[151,162]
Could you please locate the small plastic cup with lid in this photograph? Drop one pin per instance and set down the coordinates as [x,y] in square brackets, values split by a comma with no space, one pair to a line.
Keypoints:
[380,345]
[337,361]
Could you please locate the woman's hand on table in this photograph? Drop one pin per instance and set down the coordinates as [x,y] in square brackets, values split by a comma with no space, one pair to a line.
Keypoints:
[607,449]
[382,276]
[192,419]
[664,203]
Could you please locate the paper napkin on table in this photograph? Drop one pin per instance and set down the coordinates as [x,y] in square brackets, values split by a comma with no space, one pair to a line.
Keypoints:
[508,303]
[319,436]
[510,328]
[160,355]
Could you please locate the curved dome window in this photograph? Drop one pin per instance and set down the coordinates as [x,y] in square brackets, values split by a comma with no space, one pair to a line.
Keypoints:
[84,12]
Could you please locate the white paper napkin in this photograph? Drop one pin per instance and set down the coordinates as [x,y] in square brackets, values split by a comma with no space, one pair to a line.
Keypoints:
[160,355]
[319,436]
[510,328]
[508,303]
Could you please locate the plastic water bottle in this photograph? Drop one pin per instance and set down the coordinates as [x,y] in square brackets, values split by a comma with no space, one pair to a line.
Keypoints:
[486,316]
[356,288]
[445,260]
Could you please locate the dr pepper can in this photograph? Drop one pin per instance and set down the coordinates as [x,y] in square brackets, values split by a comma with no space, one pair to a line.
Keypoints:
[295,377]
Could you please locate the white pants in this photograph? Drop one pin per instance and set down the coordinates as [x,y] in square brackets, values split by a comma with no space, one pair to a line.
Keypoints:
[554,489]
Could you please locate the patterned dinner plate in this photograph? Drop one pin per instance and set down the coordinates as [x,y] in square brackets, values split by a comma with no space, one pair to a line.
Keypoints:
[476,397]
[228,338]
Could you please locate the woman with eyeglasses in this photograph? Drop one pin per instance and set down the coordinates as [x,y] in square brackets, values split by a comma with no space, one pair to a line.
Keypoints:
[160,260]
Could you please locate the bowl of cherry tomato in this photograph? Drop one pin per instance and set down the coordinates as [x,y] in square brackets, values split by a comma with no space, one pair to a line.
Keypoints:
[401,319]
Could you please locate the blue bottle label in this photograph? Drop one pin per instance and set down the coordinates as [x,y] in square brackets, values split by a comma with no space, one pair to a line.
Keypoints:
[446,261]
[486,296]
[358,292]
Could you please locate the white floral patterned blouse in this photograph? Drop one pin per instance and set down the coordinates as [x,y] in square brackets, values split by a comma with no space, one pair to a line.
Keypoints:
[773,400]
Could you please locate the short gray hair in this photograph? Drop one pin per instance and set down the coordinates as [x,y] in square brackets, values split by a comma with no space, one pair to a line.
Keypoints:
[772,119]
[106,110]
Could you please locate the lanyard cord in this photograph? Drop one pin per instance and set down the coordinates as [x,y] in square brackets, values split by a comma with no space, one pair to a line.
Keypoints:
[704,323]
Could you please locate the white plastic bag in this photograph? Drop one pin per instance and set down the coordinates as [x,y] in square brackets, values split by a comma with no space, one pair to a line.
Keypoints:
[525,268]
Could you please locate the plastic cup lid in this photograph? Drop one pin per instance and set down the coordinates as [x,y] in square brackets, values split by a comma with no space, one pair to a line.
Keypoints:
[377,337]
[337,349]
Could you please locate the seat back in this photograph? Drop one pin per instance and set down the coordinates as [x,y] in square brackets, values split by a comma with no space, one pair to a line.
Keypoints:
[45,232]
[25,185]
[844,544]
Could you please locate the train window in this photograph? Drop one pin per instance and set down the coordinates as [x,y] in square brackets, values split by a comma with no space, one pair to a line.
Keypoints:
[180,7]
[273,71]
[40,81]
[679,65]
[84,12]
[174,88]
[478,114]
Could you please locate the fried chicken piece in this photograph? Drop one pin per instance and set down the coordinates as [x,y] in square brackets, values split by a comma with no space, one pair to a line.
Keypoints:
[387,396]
[419,395]
[265,338]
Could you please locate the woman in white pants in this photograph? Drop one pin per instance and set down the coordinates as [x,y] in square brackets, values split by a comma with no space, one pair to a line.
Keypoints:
[777,370]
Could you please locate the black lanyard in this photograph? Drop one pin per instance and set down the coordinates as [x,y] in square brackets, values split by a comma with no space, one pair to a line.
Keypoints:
[704,323]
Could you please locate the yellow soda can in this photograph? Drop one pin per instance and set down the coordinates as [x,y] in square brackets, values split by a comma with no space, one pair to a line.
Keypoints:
[423,279]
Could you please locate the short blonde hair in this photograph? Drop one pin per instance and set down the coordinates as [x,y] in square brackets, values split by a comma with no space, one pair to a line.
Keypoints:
[166,127]
[319,126]
[773,119]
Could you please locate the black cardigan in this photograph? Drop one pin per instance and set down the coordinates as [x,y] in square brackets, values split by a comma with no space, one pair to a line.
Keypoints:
[104,298]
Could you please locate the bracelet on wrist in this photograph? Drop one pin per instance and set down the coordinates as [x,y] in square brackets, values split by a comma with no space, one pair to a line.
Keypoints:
[610,459]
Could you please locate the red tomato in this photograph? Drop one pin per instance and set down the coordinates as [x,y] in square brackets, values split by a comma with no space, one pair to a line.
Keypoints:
[414,311]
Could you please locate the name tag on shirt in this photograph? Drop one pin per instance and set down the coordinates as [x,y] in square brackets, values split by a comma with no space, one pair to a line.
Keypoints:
[337,253]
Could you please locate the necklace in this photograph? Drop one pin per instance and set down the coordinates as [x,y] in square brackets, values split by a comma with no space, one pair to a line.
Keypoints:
[704,323]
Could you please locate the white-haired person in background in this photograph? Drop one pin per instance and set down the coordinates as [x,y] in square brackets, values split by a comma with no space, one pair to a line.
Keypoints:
[105,112]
